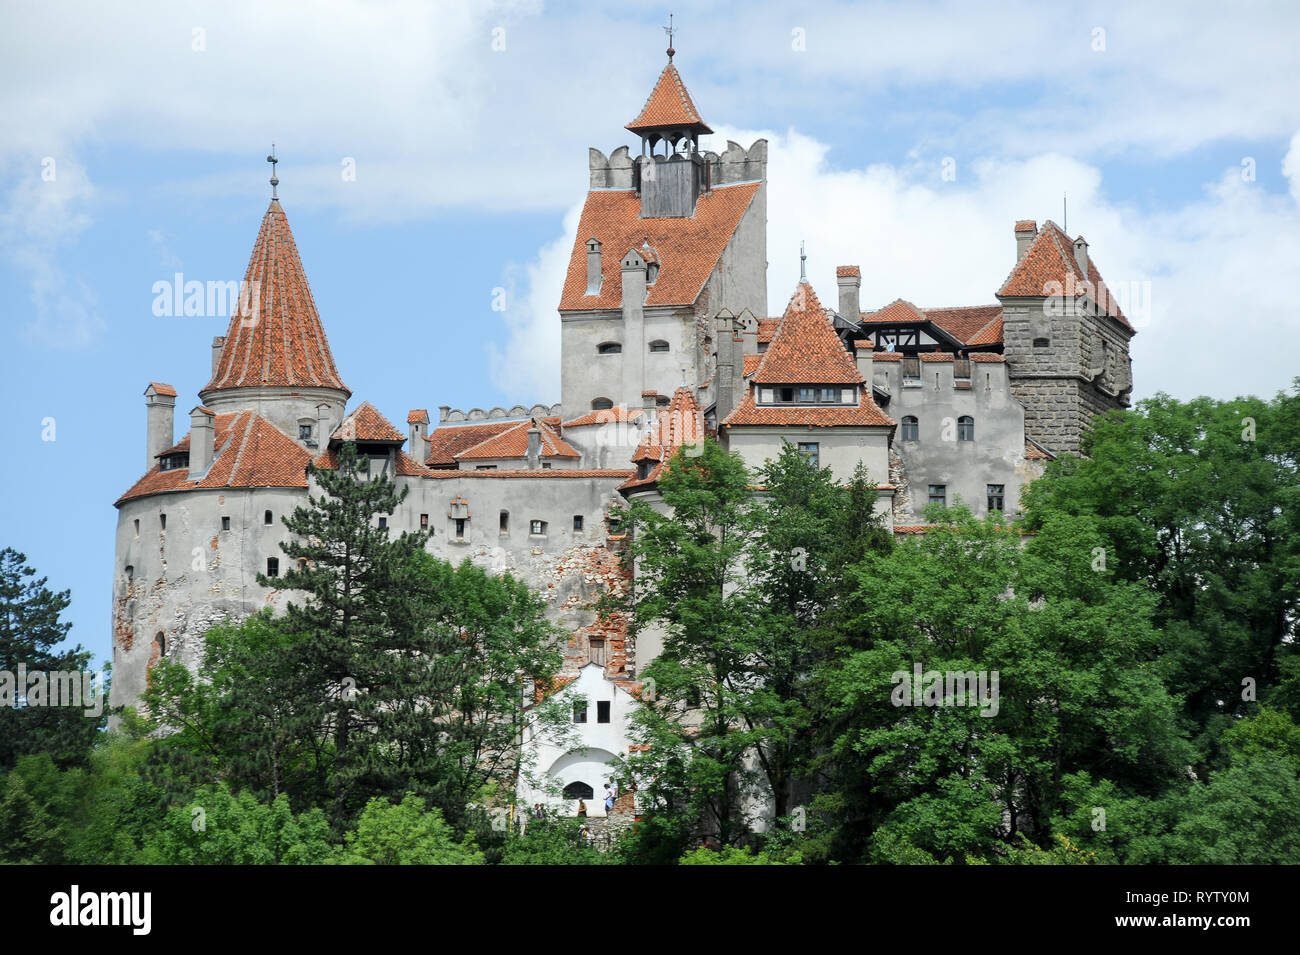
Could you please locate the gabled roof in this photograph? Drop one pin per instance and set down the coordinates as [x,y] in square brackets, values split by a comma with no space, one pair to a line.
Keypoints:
[249,451]
[968,324]
[805,349]
[1050,258]
[681,423]
[276,337]
[688,247]
[365,423]
[448,441]
[417,416]
[669,105]
[513,443]
[159,388]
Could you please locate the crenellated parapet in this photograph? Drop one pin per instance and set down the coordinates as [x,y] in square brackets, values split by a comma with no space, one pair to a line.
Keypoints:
[448,414]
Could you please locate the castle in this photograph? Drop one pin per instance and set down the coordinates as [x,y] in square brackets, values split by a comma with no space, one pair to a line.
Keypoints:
[666,338]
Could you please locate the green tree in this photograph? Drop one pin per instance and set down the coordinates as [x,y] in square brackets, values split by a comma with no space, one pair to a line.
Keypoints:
[405,834]
[31,631]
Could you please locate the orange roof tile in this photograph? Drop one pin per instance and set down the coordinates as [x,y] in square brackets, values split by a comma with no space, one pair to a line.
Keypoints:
[865,413]
[1026,225]
[984,356]
[1036,452]
[284,342]
[249,451]
[766,329]
[513,443]
[689,247]
[365,423]
[681,423]
[1050,259]
[669,104]
[448,441]
[936,356]
[899,311]
[965,322]
[806,349]
[160,388]
[846,270]
[616,415]
[751,364]
[417,416]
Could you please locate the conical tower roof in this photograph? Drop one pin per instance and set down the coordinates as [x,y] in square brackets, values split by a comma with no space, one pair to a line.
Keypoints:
[669,107]
[275,336]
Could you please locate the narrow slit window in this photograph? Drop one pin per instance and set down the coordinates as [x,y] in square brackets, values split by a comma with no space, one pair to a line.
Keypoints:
[272,567]
[602,711]
[225,523]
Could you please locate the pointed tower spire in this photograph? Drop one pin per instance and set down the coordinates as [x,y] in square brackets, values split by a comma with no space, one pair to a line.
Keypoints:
[275,356]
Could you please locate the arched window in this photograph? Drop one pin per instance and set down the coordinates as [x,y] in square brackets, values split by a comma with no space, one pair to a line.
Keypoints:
[658,346]
[505,522]
[160,644]
[609,348]
[601,404]
[267,518]
[911,429]
[578,791]
[965,428]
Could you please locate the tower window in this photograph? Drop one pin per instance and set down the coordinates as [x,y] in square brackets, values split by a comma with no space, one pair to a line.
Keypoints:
[160,642]
[939,494]
[996,496]
[911,428]
[267,518]
[577,522]
[609,348]
[137,527]
[602,711]
[460,528]
[601,404]
[130,572]
[965,428]
[162,522]
[659,346]
[225,523]
[505,522]
[537,528]
[424,522]
[272,567]
[1041,343]
[304,432]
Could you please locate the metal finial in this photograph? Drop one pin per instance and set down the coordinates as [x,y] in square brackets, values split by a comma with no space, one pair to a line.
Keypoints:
[803,260]
[274,181]
[669,30]
[683,377]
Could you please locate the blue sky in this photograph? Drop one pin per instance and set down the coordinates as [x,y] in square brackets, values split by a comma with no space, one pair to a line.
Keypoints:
[469,126]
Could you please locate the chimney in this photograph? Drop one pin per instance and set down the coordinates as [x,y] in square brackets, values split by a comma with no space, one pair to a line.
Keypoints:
[202,437]
[218,346]
[1026,232]
[749,335]
[864,352]
[160,406]
[1081,255]
[418,423]
[593,266]
[849,278]
[323,429]
[724,333]
[534,457]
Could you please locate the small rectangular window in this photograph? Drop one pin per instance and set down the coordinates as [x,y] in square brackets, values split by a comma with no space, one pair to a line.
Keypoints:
[546,466]
[537,527]
[460,528]
[579,712]
[996,495]
[304,432]
[272,567]
[505,522]
[939,494]
[424,522]
[225,523]
[162,521]
[137,527]
[812,451]
[383,523]
[577,522]
[602,711]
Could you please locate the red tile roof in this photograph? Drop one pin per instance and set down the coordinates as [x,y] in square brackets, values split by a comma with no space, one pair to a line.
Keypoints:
[936,356]
[1036,452]
[990,334]
[1050,259]
[417,416]
[844,270]
[1026,225]
[249,451]
[513,443]
[446,442]
[669,104]
[445,475]
[284,342]
[766,329]
[162,389]
[866,412]
[689,248]
[899,311]
[751,364]
[616,415]
[806,349]
[969,324]
[984,356]
[365,423]
[681,423]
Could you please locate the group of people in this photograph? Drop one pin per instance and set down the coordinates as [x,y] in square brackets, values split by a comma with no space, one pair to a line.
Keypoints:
[611,793]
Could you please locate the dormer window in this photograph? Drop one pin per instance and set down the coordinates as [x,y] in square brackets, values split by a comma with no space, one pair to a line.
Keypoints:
[171,462]
[651,273]
[807,395]
[609,348]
